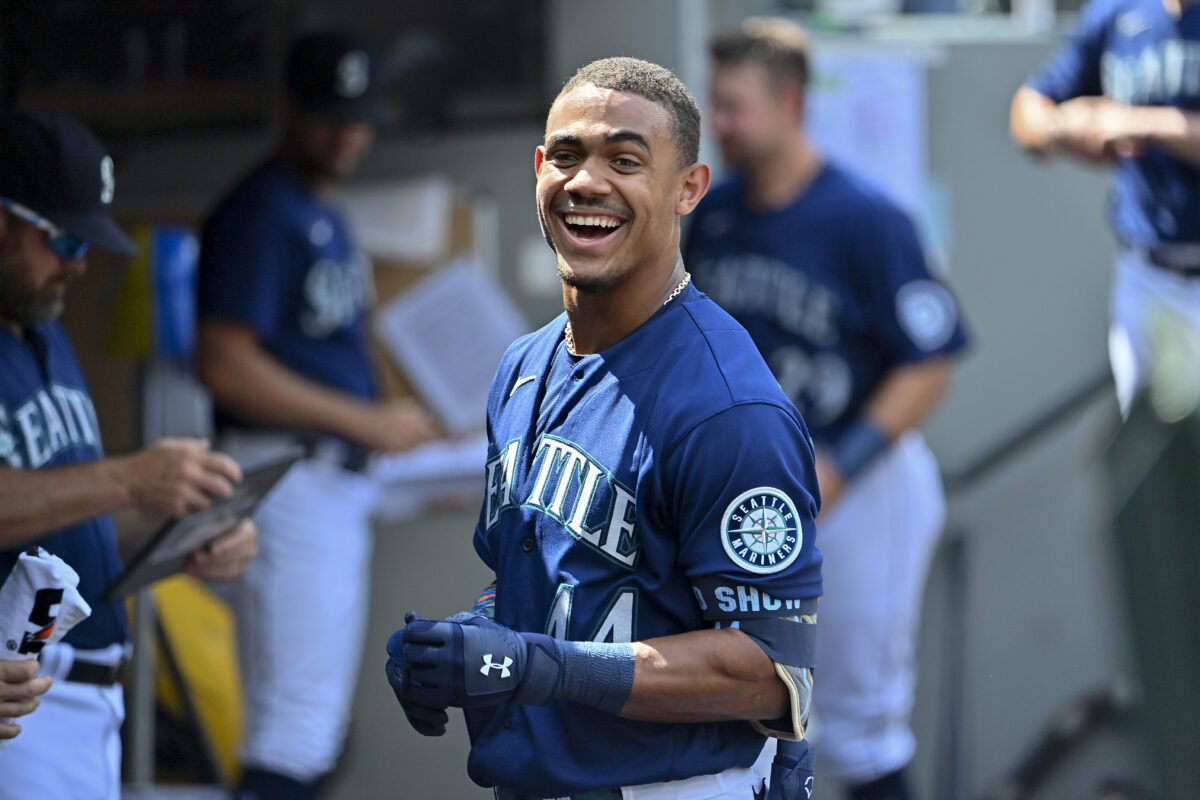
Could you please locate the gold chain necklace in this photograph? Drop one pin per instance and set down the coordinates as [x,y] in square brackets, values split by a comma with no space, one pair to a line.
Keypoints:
[570,337]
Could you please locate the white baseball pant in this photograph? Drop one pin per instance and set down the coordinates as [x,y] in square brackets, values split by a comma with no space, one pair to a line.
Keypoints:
[71,745]
[735,783]
[878,542]
[1139,291]
[301,610]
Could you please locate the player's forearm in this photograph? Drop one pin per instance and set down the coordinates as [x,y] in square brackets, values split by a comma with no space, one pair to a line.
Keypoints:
[704,676]
[908,395]
[1174,130]
[1033,120]
[905,398]
[36,502]
[248,381]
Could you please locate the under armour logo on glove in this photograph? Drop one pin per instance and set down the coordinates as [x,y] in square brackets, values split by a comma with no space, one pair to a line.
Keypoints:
[489,665]
[439,654]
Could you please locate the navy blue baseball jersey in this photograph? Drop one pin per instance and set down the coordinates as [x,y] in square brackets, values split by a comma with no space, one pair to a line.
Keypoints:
[1135,52]
[833,288]
[279,259]
[647,490]
[47,420]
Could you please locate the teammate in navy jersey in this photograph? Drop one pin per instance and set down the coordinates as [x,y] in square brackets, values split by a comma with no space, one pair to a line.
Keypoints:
[649,501]
[828,278]
[283,294]
[1124,89]
[57,489]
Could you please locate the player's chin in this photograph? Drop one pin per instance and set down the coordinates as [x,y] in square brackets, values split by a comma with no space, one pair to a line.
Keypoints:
[585,275]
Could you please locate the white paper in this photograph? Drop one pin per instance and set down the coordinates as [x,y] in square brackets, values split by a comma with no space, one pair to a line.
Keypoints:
[439,474]
[406,221]
[868,112]
[447,333]
[447,459]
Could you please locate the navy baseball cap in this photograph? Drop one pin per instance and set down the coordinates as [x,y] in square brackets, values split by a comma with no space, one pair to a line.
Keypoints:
[56,167]
[332,75]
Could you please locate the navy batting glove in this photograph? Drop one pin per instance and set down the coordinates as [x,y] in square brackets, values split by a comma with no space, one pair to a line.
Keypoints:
[426,720]
[465,661]
[469,661]
[792,772]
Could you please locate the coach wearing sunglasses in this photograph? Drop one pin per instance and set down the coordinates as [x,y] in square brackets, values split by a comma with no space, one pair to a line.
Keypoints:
[57,490]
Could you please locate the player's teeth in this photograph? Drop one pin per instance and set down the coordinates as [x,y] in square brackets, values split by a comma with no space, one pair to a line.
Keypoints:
[599,222]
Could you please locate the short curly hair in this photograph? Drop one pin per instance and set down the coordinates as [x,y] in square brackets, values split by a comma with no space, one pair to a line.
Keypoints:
[778,45]
[656,84]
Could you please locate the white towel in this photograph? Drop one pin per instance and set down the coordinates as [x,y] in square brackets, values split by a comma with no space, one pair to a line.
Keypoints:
[39,604]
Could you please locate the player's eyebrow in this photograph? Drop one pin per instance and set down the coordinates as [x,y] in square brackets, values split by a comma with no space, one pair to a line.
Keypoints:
[613,137]
[624,135]
[563,140]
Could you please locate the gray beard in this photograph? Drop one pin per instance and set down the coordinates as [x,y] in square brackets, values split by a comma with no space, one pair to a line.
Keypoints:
[25,308]
[34,311]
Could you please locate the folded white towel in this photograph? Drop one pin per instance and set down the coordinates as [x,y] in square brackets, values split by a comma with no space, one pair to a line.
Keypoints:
[39,604]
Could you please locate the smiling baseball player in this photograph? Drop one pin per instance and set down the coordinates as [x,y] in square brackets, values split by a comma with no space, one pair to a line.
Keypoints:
[649,504]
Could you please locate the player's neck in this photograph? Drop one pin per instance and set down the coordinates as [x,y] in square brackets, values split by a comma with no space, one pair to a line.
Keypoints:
[779,182]
[601,319]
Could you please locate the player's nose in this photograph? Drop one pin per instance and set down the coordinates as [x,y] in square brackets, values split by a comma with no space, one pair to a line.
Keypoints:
[74,266]
[588,181]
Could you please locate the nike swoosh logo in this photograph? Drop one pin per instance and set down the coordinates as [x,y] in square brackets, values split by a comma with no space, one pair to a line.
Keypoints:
[521,382]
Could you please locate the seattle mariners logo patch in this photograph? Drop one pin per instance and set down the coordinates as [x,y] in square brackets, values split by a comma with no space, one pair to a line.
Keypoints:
[761,531]
[927,313]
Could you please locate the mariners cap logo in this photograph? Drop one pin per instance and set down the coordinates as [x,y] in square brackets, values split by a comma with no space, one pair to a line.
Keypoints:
[760,530]
[353,74]
[107,184]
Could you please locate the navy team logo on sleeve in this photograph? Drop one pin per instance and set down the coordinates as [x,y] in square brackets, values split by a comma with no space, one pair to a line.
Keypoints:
[761,530]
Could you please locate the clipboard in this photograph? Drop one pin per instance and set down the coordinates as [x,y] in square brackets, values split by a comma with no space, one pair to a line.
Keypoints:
[169,548]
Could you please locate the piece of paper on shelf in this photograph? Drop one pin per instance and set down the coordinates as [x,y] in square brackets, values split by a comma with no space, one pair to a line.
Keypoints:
[405,222]
[447,333]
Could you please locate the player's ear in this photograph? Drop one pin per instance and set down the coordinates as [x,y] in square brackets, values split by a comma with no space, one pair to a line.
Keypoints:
[693,185]
[539,156]
[793,99]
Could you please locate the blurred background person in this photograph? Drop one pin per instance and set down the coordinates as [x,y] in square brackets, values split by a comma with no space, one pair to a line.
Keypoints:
[828,277]
[1123,90]
[57,489]
[282,300]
